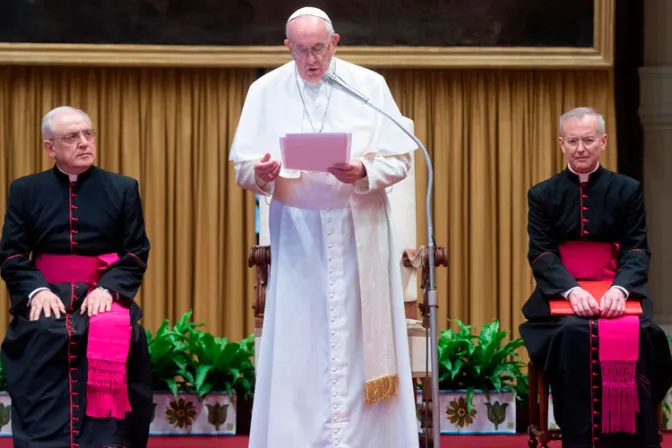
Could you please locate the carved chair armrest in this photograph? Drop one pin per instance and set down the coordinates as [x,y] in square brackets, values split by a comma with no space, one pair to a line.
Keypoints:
[260,257]
[419,259]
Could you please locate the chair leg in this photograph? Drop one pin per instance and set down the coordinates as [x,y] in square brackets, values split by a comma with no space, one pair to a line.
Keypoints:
[532,406]
[427,414]
[659,412]
[542,384]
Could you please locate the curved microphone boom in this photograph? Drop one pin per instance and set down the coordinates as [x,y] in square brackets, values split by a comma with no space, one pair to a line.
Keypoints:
[430,299]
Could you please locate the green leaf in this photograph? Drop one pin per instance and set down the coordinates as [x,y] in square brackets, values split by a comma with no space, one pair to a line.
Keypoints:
[206,389]
[188,376]
[201,373]
[470,398]
[172,386]
[181,362]
[456,368]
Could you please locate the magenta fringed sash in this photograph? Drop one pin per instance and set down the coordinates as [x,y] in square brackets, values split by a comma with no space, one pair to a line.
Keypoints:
[109,334]
[618,339]
[108,345]
[619,350]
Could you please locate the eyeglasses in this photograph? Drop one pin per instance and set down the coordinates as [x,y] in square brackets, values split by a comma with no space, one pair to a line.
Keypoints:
[317,51]
[574,142]
[89,134]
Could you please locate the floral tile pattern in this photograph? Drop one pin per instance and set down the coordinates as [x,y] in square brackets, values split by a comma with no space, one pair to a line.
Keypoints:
[496,415]
[215,415]
[551,415]
[5,415]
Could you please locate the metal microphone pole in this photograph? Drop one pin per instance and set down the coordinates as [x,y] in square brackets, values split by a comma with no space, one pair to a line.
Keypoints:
[431,301]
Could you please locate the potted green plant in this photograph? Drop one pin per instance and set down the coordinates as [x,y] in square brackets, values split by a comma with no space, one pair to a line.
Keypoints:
[203,382]
[5,406]
[169,354]
[665,405]
[224,368]
[478,376]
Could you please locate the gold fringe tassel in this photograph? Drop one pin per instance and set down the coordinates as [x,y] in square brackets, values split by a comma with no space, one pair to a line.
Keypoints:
[381,388]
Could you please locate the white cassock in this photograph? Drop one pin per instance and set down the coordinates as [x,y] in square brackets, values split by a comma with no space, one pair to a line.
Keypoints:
[326,237]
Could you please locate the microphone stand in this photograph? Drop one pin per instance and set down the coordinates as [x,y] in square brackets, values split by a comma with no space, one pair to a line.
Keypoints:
[430,297]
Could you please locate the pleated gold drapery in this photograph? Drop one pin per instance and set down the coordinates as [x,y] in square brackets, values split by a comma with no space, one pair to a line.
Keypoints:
[491,135]
[171,129]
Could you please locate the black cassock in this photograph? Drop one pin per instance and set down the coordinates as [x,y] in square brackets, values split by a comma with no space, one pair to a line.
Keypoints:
[608,208]
[45,361]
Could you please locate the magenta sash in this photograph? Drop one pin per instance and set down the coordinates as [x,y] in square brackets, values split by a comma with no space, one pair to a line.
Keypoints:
[109,334]
[618,337]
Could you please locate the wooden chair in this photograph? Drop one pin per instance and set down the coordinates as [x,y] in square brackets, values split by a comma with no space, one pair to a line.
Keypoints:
[419,258]
[538,430]
[538,409]
[260,258]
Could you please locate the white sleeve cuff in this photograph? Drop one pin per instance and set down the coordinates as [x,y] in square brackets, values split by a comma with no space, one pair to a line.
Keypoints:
[30,296]
[363,185]
[264,187]
[568,292]
[627,294]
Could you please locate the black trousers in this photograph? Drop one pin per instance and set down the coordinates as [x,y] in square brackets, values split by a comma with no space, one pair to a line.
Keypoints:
[46,369]
[561,346]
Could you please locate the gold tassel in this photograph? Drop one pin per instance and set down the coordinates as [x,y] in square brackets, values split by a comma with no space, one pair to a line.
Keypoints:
[381,388]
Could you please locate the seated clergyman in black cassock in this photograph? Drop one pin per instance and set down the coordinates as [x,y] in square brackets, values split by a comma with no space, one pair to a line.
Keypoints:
[589,318]
[73,254]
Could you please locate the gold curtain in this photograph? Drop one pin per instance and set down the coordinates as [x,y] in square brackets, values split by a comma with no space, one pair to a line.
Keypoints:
[171,129]
[491,135]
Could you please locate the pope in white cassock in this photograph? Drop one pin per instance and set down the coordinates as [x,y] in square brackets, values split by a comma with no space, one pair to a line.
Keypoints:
[334,368]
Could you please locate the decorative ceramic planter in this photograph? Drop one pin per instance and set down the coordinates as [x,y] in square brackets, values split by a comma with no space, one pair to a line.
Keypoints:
[551,414]
[187,416]
[667,421]
[496,415]
[5,415]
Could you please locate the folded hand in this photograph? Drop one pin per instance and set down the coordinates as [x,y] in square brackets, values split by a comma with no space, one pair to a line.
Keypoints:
[583,303]
[613,303]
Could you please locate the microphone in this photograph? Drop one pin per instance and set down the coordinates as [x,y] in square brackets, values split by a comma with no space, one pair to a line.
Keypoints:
[333,80]
[431,303]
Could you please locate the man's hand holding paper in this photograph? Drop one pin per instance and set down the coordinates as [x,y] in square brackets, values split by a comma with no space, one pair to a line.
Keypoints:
[348,173]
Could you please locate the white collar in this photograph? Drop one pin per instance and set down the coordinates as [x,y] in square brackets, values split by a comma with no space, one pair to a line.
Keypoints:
[583,177]
[72,177]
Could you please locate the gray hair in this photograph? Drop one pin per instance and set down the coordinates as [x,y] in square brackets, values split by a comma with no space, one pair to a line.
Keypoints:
[46,121]
[328,26]
[579,113]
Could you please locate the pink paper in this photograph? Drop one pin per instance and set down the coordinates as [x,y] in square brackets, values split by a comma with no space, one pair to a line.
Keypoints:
[315,152]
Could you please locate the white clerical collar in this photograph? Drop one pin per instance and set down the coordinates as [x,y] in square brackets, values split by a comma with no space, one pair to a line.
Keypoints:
[72,177]
[583,177]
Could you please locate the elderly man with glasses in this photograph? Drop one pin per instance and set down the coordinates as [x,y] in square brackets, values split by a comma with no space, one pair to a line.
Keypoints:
[334,366]
[73,254]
